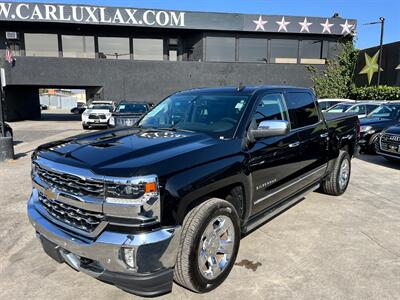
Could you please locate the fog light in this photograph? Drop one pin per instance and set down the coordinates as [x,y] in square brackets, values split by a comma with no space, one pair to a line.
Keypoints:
[129,257]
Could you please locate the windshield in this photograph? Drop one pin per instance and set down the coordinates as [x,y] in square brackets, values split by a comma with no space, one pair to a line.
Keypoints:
[339,108]
[101,106]
[386,111]
[131,108]
[217,115]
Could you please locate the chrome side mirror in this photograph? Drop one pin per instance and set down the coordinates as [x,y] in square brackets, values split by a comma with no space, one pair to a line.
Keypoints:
[270,128]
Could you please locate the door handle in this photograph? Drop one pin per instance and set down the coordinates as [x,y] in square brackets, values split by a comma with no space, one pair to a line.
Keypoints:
[295,144]
[324,135]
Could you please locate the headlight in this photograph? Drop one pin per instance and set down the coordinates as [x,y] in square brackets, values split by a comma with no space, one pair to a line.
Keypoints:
[136,197]
[112,121]
[85,113]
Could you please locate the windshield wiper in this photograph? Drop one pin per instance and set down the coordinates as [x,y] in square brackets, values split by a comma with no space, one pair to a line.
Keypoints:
[173,128]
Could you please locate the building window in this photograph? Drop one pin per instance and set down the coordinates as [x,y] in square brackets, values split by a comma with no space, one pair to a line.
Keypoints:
[284,51]
[41,44]
[220,48]
[148,49]
[311,52]
[78,46]
[114,48]
[253,50]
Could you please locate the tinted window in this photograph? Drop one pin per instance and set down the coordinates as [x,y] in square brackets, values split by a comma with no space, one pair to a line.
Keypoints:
[131,108]
[78,46]
[386,111]
[357,109]
[339,108]
[217,115]
[271,107]
[114,48]
[302,109]
[220,48]
[40,44]
[323,105]
[371,107]
[252,50]
[148,49]
[284,51]
[311,52]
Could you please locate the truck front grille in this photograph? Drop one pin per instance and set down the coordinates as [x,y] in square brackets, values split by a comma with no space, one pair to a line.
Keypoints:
[390,143]
[71,184]
[70,215]
[97,117]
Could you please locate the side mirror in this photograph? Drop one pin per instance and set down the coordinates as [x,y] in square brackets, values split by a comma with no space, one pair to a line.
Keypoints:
[270,128]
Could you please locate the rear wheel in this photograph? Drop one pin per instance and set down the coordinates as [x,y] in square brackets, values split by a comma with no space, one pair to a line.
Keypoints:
[336,183]
[371,144]
[209,245]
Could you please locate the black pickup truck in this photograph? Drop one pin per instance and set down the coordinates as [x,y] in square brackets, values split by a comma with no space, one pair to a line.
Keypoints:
[170,198]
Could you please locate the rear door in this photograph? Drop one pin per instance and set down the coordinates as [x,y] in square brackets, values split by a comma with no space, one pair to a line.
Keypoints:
[308,123]
[274,161]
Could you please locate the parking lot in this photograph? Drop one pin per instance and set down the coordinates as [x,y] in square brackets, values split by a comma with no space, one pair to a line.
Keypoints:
[325,247]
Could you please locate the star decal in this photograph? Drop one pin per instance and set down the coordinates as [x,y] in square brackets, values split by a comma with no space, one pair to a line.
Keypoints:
[398,67]
[282,24]
[304,25]
[327,26]
[346,27]
[371,66]
[260,24]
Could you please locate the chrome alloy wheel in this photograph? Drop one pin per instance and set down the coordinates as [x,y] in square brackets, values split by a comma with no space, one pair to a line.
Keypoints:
[344,173]
[216,247]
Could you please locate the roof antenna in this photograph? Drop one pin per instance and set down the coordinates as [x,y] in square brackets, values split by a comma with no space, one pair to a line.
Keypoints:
[240,86]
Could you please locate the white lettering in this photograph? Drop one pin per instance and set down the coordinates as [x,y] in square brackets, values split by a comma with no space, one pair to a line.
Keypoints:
[118,18]
[18,11]
[62,16]
[91,11]
[36,14]
[131,13]
[177,20]
[75,13]
[50,12]
[145,17]
[162,18]
[5,10]
[103,16]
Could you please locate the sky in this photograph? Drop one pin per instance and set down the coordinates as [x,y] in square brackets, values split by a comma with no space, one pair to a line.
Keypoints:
[363,10]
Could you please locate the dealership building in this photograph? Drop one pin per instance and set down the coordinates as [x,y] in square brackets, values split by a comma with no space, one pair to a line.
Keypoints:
[116,53]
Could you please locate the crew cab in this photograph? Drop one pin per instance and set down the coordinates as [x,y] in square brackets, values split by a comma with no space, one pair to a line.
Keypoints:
[97,114]
[388,143]
[170,198]
[126,114]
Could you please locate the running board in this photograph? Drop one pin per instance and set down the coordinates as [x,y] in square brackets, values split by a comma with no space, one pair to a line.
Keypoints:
[276,210]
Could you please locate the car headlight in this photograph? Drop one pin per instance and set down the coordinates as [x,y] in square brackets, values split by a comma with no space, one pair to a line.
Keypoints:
[85,113]
[112,121]
[135,197]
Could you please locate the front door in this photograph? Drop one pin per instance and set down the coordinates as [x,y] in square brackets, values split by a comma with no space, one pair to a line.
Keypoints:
[274,161]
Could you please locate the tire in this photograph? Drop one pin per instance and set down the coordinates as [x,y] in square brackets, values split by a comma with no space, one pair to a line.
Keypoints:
[335,184]
[8,133]
[197,224]
[370,147]
[85,127]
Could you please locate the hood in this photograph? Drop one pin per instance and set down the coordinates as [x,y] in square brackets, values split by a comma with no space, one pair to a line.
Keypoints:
[377,122]
[393,130]
[97,111]
[133,151]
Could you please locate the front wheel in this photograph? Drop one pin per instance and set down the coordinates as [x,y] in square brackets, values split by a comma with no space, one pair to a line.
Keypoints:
[208,247]
[336,183]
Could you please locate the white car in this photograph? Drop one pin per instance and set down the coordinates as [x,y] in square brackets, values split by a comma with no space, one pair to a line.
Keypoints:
[324,104]
[361,109]
[97,114]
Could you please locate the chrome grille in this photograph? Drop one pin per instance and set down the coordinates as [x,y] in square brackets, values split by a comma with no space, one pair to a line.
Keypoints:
[390,143]
[70,215]
[71,184]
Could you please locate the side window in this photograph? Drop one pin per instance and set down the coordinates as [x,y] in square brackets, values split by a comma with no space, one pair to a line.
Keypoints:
[323,105]
[371,107]
[271,107]
[302,109]
[358,109]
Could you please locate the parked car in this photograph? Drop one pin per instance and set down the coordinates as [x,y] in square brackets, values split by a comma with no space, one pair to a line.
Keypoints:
[79,109]
[97,114]
[324,104]
[382,117]
[171,197]
[126,114]
[361,109]
[8,130]
[388,143]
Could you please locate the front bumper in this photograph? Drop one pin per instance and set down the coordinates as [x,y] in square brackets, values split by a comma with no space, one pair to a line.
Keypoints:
[155,254]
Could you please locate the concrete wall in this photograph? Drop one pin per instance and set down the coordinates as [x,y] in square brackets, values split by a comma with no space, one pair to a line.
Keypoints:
[147,80]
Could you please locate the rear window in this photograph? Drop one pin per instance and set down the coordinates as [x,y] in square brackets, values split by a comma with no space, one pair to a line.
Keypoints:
[339,108]
[302,109]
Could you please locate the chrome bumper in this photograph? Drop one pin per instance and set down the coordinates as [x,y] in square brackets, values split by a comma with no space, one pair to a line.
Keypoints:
[155,251]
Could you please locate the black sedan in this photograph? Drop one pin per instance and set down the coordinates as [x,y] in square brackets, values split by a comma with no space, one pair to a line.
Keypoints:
[388,143]
[126,114]
[384,116]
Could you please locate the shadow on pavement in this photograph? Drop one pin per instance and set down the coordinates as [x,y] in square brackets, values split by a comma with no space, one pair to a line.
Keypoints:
[379,160]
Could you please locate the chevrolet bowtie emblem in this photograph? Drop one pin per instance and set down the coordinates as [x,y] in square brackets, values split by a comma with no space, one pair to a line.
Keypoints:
[51,194]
